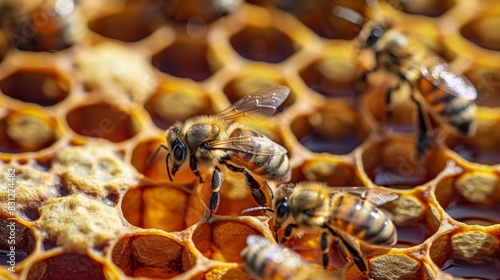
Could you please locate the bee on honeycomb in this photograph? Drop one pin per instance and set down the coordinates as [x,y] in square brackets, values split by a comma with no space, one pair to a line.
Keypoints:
[88,89]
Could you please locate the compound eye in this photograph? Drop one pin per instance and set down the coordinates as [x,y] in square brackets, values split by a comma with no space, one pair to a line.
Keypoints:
[179,150]
[282,209]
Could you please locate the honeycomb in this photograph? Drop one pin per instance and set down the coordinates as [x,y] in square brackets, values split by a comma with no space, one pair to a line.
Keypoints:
[87,90]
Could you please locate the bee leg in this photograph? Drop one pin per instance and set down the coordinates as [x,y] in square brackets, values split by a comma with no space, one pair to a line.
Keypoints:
[215,198]
[361,84]
[389,108]
[254,186]
[325,248]
[288,233]
[358,260]
[343,251]
[423,140]
[193,164]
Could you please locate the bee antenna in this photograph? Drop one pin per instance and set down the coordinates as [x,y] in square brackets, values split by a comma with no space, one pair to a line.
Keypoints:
[266,208]
[153,155]
[168,168]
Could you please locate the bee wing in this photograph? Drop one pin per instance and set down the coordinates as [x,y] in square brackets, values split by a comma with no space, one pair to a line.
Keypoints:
[264,101]
[250,145]
[378,196]
[437,71]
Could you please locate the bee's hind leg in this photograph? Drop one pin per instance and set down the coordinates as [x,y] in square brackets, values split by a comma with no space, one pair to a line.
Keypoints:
[325,249]
[215,198]
[356,255]
[254,186]
[424,142]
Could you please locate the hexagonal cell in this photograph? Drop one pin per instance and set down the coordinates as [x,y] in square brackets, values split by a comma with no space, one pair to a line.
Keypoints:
[399,266]
[152,255]
[44,87]
[175,102]
[481,31]
[471,198]
[29,130]
[103,120]
[467,270]
[487,83]
[393,163]
[212,239]
[318,16]
[253,79]
[324,168]
[332,76]
[166,207]
[129,25]
[472,254]
[14,234]
[334,128]
[267,44]
[415,223]
[428,8]
[41,25]
[189,58]
[68,266]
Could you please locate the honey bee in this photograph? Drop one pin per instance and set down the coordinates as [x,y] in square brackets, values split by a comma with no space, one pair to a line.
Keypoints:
[217,144]
[344,212]
[264,260]
[433,84]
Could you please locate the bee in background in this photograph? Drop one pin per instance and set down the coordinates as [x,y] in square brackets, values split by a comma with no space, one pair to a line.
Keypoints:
[344,212]
[264,260]
[433,84]
[218,143]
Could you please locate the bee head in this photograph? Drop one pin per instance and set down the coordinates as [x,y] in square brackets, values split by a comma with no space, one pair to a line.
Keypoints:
[177,149]
[281,206]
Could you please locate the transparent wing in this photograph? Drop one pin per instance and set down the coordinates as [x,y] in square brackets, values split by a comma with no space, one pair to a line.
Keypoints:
[264,101]
[376,195]
[437,71]
[250,145]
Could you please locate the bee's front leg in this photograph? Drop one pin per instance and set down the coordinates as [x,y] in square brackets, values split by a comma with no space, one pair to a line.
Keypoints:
[288,233]
[215,198]
[193,164]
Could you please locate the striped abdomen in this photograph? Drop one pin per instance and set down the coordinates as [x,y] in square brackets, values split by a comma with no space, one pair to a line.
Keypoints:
[266,260]
[454,110]
[272,164]
[362,219]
